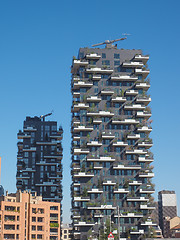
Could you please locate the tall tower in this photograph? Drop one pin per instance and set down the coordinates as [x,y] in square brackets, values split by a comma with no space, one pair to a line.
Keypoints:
[111,173]
[167,210]
[39,158]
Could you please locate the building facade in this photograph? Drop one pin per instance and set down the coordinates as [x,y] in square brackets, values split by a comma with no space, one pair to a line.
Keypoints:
[111,172]
[39,167]
[26,217]
[167,210]
[66,232]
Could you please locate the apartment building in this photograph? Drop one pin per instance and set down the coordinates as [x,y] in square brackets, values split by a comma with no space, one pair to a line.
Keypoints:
[26,217]
[66,231]
[39,156]
[111,172]
[167,210]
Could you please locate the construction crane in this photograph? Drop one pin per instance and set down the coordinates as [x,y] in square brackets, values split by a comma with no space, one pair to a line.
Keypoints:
[46,115]
[109,42]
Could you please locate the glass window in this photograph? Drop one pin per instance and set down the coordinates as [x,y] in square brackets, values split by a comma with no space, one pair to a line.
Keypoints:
[116,63]
[103,55]
[105,62]
[116,55]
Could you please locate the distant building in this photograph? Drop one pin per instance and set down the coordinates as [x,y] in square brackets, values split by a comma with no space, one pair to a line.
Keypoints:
[175,231]
[167,210]
[1,190]
[27,217]
[66,230]
[39,167]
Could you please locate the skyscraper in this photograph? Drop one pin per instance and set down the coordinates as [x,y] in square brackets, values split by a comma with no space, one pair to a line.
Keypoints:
[111,172]
[167,210]
[39,158]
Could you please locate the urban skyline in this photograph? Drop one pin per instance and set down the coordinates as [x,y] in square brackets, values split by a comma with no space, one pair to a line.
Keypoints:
[25,63]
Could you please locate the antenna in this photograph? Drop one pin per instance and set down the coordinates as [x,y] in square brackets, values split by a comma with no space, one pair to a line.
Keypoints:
[109,42]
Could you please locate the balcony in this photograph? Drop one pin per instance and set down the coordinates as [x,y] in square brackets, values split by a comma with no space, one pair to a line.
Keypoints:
[135,183]
[79,106]
[107,92]
[109,182]
[125,121]
[32,149]
[22,135]
[97,121]
[118,99]
[96,77]
[131,92]
[94,143]
[145,144]
[84,224]
[143,159]
[137,199]
[133,136]
[83,174]
[134,107]
[93,99]
[136,151]
[95,190]
[142,58]
[121,190]
[146,175]
[120,144]
[144,114]
[144,129]
[102,207]
[124,78]
[132,215]
[141,71]
[144,207]
[100,113]
[101,159]
[93,56]
[80,62]
[143,85]
[99,70]
[148,223]
[137,232]
[127,167]
[144,100]
[108,135]
[81,199]
[132,64]
[78,151]
[83,128]
[29,129]
[146,190]
[82,84]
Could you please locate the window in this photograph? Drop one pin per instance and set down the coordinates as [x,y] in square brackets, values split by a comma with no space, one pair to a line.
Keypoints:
[116,55]
[33,219]
[39,236]
[39,228]
[65,231]
[65,236]
[105,62]
[103,55]
[116,63]
[33,228]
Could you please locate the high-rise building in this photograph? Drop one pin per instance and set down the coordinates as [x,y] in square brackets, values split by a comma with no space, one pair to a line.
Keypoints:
[24,216]
[167,210]
[39,167]
[110,143]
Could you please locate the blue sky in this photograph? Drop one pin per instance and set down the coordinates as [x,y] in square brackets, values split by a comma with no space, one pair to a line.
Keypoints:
[37,42]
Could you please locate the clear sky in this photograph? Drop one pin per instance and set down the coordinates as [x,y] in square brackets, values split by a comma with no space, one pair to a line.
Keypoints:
[37,41]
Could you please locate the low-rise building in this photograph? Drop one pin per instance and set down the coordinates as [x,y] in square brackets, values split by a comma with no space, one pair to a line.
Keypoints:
[25,217]
[66,232]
